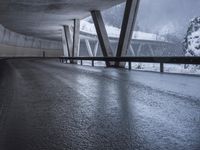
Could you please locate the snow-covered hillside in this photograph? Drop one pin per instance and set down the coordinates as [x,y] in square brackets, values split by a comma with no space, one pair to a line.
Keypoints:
[192,39]
[115,32]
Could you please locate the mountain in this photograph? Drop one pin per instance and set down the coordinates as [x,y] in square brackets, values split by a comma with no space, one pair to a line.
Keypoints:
[192,39]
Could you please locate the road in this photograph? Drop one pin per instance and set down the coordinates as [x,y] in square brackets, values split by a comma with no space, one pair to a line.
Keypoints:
[46,105]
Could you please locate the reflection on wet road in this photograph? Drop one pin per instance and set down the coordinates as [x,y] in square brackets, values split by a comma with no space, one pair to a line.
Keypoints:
[48,105]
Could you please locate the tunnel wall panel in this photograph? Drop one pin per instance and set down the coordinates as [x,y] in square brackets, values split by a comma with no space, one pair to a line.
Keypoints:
[15,44]
[13,51]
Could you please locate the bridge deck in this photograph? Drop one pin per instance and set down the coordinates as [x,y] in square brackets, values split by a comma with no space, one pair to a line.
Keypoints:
[48,105]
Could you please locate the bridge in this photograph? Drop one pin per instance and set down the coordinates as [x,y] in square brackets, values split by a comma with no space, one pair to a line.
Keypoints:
[48,101]
[138,47]
[87,41]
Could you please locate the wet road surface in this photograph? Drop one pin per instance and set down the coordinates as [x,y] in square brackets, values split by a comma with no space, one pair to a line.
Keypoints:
[46,105]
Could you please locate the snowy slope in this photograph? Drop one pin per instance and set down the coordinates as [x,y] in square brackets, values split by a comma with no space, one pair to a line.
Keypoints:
[115,32]
[194,44]
[192,39]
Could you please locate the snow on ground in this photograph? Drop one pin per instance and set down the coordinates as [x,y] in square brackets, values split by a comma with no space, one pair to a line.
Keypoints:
[168,68]
[115,32]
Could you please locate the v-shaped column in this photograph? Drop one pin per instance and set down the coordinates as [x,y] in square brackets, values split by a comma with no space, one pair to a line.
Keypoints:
[76,37]
[71,42]
[102,35]
[67,41]
[128,23]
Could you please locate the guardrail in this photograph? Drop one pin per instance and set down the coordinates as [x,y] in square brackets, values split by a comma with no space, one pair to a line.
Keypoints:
[160,60]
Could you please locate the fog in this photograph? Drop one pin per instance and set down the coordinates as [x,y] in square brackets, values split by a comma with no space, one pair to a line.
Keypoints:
[159,16]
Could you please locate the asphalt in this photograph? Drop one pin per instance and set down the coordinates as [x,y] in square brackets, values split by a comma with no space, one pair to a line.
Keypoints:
[46,105]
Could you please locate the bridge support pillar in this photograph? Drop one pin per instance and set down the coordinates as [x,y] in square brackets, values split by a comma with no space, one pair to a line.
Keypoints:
[67,41]
[64,43]
[102,35]
[76,37]
[71,42]
[128,23]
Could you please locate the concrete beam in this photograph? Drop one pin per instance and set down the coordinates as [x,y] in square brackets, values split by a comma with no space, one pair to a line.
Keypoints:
[89,49]
[151,50]
[139,49]
[96,48]
[132,50]
[128,23]
[102,34]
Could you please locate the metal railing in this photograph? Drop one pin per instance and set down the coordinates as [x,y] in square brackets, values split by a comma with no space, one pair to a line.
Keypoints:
[129,60]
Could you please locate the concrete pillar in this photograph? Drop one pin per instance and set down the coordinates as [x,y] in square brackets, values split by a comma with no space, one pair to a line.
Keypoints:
[128,23]
[102,35]
[76,37]
[79,42]
[64,43]
[68,39]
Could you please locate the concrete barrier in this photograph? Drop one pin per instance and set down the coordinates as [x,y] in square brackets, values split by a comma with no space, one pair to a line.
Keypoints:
[17,45]
[13,51]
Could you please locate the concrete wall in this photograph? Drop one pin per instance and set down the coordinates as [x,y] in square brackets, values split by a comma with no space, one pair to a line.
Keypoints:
[13,51]
[13,44]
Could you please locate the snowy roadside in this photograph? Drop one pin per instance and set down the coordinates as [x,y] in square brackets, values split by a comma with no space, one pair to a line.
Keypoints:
[168,68]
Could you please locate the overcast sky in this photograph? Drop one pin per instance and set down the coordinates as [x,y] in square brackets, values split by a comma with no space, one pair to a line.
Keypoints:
[167,15]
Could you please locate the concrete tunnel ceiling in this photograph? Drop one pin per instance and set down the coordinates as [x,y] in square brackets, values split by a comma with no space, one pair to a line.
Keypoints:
[44,18]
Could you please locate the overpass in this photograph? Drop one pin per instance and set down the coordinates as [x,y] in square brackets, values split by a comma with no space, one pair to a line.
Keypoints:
[17,45]
[46,104]
[151,47]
